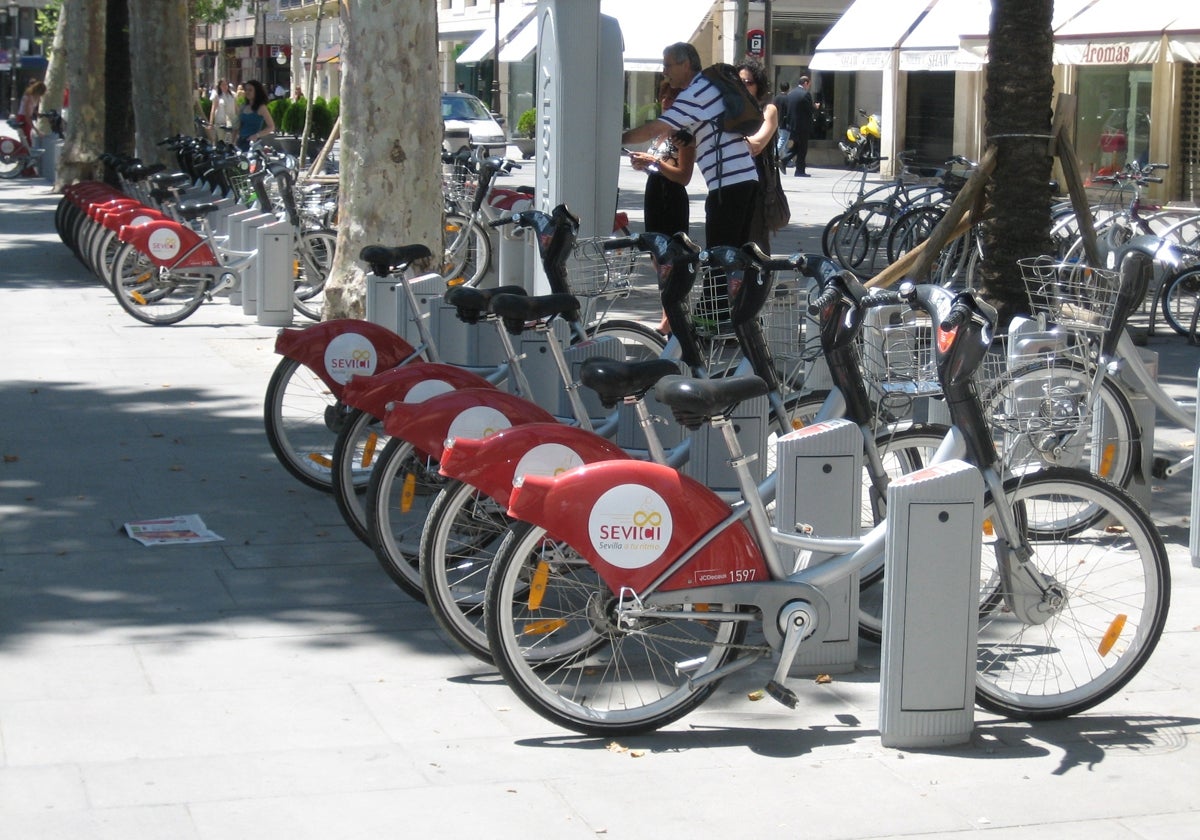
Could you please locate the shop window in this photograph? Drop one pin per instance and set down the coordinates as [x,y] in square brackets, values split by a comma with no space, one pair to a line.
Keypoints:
[1113,120]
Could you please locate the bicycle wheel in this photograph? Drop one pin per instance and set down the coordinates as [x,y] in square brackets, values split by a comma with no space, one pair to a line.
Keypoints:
[458,546]
[640,342]
[860,238]
[1113,595]
[152,294]
[403,486]
[302,419]
[11,165]
[313,258]
[1179,301]
[104,256]
[468,250]
[553,630]
[1037,411]
[355,452]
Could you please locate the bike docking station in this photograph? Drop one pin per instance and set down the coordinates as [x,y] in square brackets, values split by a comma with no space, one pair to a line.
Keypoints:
[1193,529]
[242,225]
[818,491]
[272,273]
[930,608]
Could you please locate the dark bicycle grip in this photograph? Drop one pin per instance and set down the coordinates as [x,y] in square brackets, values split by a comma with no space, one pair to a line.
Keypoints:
[882,297]
[958,315]
[826,298]
[795,262]
[504,220]
[618,242]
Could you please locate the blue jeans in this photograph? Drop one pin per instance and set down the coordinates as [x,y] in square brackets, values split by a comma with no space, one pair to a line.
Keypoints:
[782,136]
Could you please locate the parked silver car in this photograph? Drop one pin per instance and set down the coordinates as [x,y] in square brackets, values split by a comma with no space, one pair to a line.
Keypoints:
[462,111]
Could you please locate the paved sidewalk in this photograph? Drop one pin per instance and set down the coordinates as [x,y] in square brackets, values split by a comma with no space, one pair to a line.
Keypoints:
[277,685]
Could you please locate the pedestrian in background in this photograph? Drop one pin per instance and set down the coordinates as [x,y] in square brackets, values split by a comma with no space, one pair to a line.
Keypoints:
[222,113]
[762,147]
[783,137]
[800,110]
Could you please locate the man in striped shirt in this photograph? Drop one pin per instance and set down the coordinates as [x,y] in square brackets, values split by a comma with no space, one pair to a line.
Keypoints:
[724,158]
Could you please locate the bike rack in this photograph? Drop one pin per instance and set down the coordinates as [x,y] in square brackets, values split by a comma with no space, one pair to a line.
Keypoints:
[273,274]
[931,606]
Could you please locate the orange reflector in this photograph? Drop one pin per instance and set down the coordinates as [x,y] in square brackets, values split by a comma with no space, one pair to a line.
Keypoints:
[542,628]
[1106,461]
[456,281]
[989,530]
[318,458]
[537,587]
[295,268]
[137,298]
[409,491]
[368,454]
[1112,634]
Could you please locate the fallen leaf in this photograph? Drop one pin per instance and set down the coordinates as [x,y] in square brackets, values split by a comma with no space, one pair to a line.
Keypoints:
[176,468]
[11,459]
[823,679]
[636,753]
[758,694]
[613,746]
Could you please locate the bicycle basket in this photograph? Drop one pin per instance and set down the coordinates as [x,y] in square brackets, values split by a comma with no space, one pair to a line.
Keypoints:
[1073,295]
[458,182]
[243,187]
[1035,393]
[784,317]
[709,304]
[595,272]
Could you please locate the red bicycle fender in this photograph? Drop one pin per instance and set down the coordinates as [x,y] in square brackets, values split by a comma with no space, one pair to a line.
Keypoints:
[474,413]
[136,214]
[164,241]
[98,210]
[492,464]
[631,519]
[342,348]
[412,382]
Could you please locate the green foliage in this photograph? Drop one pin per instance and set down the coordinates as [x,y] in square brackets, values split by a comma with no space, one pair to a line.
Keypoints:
[293,119]
[205,106]
[278,107]
[526,123]
[46,21]
[322,120]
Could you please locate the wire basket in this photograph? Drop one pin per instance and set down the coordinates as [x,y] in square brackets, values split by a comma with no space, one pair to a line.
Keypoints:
[784,317]
[458,182]
[595,272]
[897,352]
[1075,296]
[709,303]
[243,188]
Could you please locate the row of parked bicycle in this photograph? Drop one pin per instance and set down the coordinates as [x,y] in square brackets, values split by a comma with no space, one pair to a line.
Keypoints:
[160,241]
[612,575]
[882,222]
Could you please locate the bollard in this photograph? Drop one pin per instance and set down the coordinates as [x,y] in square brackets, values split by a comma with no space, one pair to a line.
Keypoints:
[819,470]
[242,238]
[931,606]
[273,274]
[388,306]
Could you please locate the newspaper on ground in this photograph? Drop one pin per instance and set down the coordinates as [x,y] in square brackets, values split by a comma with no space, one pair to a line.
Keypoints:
[173,530]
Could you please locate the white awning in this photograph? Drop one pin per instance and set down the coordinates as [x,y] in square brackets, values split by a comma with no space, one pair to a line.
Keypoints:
[1108,32]
[648,26]
[975,39]
[935,43]
[868,34]
[521,45]
[1183,36]
[512,18]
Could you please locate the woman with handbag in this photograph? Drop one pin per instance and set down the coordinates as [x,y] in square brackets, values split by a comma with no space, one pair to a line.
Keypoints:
[771,211]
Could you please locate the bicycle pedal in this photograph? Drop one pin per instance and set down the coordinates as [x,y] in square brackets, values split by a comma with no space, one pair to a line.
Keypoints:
[1159,468]
[783,694]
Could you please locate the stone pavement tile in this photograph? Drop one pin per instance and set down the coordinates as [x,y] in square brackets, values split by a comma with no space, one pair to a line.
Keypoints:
[35,791]
[216,778]
[121,728]
[45,669]
[495,811]
[175,822]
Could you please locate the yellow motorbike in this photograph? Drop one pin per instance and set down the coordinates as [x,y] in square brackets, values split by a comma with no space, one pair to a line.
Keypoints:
[862,143]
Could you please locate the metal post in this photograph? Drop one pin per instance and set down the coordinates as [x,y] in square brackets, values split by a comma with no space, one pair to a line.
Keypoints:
[496,61]
[14,18]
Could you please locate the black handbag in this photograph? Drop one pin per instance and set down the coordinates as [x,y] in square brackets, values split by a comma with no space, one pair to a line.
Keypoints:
[776,210]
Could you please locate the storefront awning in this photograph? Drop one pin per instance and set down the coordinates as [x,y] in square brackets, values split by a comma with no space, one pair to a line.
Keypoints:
[935,43]
[513,18]
[868,35]
[1108,32]
[1183,36]
[975,38]
[647,27]
[521,45]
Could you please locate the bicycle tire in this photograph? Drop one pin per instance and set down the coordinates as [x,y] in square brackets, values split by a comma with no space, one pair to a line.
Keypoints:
[359,443]
[860,235]
[152,294]
[1116,594]
[468,251]
[12,165]
[1180,299]
[568,661]
[1114,456]
[403,485]
[302,418]
[314,251]
[640,341]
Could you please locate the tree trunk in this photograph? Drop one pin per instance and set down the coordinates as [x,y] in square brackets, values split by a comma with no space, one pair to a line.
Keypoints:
[56,69]
[1017,108]
[118,84]
[86,24]
[391,128]
[159,42]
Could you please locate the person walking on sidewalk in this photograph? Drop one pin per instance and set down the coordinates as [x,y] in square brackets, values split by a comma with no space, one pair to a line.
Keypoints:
[800,110]
[724,158]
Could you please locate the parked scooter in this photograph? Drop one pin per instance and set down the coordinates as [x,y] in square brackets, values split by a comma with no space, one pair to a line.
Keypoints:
[861,146]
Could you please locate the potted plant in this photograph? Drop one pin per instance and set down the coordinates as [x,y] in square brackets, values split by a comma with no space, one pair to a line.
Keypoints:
[523,139]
